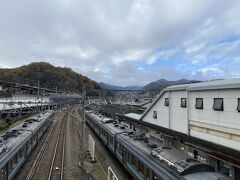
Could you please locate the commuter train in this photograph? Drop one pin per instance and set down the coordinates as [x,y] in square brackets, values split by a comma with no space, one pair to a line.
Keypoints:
[144,159]
[17,143]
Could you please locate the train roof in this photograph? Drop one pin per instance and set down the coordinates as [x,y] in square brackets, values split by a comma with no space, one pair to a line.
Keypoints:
[14,137]
[117,127]
[143,151]
[100,118]
[206,175]
[113,126]
[177,164]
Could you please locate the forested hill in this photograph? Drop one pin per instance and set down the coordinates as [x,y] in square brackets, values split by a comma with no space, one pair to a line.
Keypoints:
[159,85]
[49,77]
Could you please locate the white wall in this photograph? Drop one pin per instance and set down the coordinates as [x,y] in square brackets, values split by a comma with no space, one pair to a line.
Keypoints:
[178,116]
[162,113]
[220,127]
[227,118]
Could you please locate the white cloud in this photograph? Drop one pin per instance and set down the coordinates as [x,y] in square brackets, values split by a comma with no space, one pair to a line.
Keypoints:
[208,70]
[101,38]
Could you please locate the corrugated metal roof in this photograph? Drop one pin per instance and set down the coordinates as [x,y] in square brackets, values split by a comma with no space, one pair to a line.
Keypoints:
[217,84]
[177,87]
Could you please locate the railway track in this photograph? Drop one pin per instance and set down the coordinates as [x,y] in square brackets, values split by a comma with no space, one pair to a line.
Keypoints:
[56,169]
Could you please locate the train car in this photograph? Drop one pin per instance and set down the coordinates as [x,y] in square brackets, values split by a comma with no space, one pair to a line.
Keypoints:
[105,133]
[17,143]
[146,160]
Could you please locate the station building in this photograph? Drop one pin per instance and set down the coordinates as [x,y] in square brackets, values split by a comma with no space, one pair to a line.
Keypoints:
[202,119]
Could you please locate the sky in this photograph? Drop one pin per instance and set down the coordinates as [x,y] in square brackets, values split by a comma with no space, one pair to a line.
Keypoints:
[124,42]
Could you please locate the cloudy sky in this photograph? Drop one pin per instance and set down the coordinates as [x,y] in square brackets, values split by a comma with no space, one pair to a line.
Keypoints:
[124,42]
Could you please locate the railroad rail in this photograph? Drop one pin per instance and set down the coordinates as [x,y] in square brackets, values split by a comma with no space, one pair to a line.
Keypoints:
[43,149]
[58,161]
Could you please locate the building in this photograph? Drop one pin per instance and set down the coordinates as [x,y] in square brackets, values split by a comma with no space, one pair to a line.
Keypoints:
[202,119]
[209,111]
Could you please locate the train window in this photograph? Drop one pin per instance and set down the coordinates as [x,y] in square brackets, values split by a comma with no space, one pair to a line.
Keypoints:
[117,146]
[28,145]
[238,107]
[110,140]
[129,156]
[154,176]
[223,168]
[141,167]
[134,161]
[199,103]
[147,174]
[218,104]
[183,102]
[18,155]
[155,114]
[3,173]
[14,160]
[10,165]
[23,151]
[120,149]
[166,102]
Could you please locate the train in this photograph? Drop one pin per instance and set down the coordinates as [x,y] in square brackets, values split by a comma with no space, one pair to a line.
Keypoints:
[17,143]
[145,159]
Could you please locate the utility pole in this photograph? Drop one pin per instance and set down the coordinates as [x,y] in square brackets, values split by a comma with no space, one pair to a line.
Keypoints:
[38,92]
[38,89]
[82,128]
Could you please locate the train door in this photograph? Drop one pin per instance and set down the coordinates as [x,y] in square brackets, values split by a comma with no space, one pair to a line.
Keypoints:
[124,155]
[147,174]
[28,146]
[236,173]
[223,167]
[107,138]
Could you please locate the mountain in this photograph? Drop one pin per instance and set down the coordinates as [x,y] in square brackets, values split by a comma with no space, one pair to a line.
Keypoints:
[49,76]
[157,86]
[114,87]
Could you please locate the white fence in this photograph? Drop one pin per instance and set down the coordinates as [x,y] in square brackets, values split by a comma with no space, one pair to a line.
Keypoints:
[91,147]
[111,174]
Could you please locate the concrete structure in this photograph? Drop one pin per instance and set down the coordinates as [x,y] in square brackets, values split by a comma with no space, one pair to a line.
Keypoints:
[21,104]
[209,111]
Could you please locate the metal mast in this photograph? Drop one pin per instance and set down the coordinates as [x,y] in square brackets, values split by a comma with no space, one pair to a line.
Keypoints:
[82,128]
